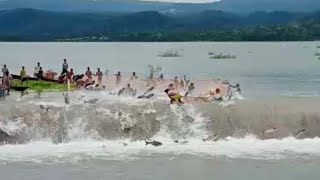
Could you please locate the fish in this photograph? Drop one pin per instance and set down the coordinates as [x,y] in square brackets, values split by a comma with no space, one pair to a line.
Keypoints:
[127,130]
[121,91]
[146,96]
[270,131]
[154,143]
[142,97]
[300,132]
[44,107]
[91,101]
[149,96]
[181,142]
[149,90]
[215,137]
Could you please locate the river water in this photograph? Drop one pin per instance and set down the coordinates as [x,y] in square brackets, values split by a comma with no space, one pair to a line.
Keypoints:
[280,83]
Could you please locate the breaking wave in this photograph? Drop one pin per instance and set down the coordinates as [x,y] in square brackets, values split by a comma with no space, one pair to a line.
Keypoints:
[116,128]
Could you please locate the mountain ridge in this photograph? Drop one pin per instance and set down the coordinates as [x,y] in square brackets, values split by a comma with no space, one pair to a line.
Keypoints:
[234,6]
[42,25]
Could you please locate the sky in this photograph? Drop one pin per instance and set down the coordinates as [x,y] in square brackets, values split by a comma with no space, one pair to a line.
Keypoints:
[174,1]
[185,1]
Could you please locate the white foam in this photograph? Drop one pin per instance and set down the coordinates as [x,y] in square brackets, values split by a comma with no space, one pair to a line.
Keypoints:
[75,151]
[82,147]
[12,126]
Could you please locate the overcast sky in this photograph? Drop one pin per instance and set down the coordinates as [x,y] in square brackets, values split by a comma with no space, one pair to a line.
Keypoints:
[184,1]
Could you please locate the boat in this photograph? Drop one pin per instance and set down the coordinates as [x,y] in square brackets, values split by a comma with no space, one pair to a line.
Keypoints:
[19,88]
[17,77]
[51,80]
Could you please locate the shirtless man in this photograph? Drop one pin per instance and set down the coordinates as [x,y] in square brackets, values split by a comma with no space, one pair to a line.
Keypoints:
[99,74]
[181,84]
[186,80]
[78,80]
[174,96]
[89,73]
[91,86]
[70,75]
[191,88]
[217,96]
[6,82]
[176,82]
[118,78]
[129,91]
[134,76]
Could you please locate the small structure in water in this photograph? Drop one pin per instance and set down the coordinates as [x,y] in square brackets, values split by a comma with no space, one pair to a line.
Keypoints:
[211,53]
[221,56]
[170,53]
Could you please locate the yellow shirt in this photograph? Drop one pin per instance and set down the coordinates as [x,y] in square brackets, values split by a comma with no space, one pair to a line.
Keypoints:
[23,74]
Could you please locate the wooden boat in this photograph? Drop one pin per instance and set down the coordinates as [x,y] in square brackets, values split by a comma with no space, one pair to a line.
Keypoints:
[51,80]
[17,77]
[21,89]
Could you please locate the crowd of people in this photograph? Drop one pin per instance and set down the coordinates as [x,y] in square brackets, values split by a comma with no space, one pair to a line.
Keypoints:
[93,81]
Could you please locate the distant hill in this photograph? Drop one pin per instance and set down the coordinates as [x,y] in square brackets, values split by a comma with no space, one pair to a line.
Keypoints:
[102,5]
[45,25]
[233,6]
[249,6]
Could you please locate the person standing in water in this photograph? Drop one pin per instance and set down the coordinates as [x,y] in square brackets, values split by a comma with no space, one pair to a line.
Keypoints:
[70,75]
[36,70]
[134,76]
[191,88]
[181,84]
[89,74]
[65,66]
[237,87]
[5,69]
[186,81]
[23,74]
[107,74]
[99,74]
[176,82]
[118,78]
[2,90]
[40,74]
[6,82]
[161,77]
[128,91]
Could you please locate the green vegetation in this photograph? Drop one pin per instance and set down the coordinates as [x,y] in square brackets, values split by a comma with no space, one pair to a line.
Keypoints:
[222,56]
[317,54]
[42,85]
[309,31]
[318,47]
[170,53]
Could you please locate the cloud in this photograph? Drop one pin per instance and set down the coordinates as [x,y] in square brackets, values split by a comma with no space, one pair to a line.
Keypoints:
[185,1]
